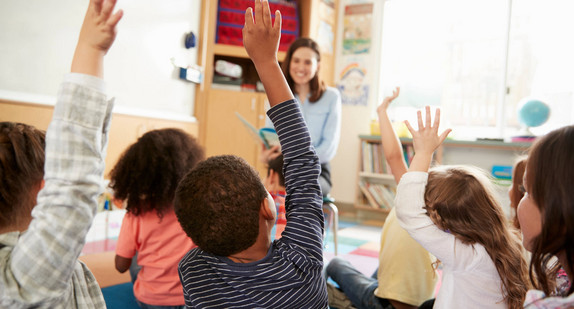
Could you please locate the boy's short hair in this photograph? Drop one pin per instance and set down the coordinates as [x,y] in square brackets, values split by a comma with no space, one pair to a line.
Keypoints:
[276,165]
[218,202]
[22,156]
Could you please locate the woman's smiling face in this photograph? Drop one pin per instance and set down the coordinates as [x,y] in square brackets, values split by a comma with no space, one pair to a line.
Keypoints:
[304,65]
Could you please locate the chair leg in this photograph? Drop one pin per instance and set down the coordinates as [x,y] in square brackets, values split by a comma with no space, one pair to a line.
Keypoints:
[332,208]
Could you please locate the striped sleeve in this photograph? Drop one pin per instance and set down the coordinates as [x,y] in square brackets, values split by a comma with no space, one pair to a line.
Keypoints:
[303,202]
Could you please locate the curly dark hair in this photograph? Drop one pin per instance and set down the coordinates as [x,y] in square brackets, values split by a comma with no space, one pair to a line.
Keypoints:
[148,172]
[22,156]
[218,202]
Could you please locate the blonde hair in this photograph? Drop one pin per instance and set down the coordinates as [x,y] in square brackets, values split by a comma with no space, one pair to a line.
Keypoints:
[460,200]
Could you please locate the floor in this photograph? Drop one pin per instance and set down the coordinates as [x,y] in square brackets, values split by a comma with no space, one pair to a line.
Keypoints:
[357,243]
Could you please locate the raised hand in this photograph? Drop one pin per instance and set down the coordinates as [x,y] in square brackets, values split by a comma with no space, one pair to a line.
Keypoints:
[426,139]
[260,36]
[382,108]
[96,37]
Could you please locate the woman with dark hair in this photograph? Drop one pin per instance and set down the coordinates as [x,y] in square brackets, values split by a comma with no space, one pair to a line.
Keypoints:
[321,105]
[546,215]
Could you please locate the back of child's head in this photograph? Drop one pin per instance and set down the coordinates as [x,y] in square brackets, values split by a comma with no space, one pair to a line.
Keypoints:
[517,189]
[460,200]
[549,182]
[148,172]
[218,203]
[22,156]
[276,165]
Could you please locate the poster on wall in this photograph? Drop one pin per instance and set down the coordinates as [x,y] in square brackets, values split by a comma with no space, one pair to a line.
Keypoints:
[357,28]
[353,84]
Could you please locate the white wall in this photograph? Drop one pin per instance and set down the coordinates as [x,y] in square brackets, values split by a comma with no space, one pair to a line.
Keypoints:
[356,121]
[37,40]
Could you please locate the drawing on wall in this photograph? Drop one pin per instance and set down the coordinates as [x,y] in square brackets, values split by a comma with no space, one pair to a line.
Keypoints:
[325,37]
[352,85]
[357,28]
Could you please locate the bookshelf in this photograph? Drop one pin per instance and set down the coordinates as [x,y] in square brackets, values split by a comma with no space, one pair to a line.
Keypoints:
[374,170]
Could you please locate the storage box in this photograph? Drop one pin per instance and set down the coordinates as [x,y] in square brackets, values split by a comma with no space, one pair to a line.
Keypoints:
[231,18]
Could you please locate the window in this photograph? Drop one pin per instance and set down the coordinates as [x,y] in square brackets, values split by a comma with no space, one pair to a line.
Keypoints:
[478,59]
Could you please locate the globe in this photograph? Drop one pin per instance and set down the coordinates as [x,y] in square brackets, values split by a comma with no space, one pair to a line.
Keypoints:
[533,112]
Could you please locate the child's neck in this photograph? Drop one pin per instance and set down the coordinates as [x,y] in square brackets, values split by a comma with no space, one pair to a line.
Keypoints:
[259,249]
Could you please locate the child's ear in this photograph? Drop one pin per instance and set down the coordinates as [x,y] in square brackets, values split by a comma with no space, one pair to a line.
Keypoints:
[268,208]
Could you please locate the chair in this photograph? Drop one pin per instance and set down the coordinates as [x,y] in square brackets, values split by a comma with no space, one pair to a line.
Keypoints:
[331,213]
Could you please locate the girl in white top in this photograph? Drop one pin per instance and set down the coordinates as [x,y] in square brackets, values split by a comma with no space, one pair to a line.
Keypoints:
[452,212]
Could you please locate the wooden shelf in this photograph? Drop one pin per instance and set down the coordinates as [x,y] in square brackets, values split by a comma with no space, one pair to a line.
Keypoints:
[462,143]
[237,51]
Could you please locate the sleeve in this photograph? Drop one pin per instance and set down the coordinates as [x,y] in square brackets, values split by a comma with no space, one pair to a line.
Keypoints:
[331,133]
[127,240]
[303,201]
[44,258]
[409,204]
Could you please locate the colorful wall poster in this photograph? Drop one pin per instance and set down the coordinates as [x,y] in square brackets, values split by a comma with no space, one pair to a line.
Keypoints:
[353,85]
[357,28]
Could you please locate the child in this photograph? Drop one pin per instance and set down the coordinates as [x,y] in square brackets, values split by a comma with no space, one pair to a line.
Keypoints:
[43,223]
[546,215]
[516,191]
[223,206]
[405,277]
[146,176]
[275,184]
[452,212]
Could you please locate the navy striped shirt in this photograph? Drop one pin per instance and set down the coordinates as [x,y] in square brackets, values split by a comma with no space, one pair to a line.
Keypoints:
[290,275]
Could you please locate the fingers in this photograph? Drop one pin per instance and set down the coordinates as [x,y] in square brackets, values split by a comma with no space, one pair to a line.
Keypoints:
[278,22]
[266,14]
[413,131]
[427,117]
[420,120]
[96,5]
[258,16]
[249,17]
[107,9]
[444,134]
[436,118]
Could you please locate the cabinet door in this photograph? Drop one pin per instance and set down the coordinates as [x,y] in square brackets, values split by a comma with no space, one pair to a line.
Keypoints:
[225,134]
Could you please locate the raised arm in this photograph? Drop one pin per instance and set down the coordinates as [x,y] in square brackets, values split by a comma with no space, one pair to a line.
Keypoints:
[390,141]
[45,257]
[261,40]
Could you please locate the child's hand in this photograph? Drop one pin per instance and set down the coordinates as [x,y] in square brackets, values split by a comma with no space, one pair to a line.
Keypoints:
[426,139]
[267,155]
[96,37]
[99,27]
[387,101]
[260,37]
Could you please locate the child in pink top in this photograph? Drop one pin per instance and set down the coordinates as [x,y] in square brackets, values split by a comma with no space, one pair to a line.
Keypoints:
[146,177]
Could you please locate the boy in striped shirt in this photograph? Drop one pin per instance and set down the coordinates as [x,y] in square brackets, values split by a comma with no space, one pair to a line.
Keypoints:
[224,207]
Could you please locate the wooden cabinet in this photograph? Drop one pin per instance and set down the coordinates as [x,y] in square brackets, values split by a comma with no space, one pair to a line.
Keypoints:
[220,131]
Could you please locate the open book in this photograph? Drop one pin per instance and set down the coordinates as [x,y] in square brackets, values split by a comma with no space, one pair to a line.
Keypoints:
[267,136]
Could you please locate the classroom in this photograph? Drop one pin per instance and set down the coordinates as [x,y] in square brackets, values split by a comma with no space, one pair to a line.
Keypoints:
[501,72]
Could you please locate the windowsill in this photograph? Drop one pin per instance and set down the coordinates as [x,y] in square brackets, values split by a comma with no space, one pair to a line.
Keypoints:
[47,100]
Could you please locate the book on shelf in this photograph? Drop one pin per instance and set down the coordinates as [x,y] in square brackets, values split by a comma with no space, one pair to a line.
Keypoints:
[379,196]
[267,136]
[373,160]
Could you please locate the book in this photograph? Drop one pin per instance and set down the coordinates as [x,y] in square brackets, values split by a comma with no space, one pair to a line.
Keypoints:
[267,136]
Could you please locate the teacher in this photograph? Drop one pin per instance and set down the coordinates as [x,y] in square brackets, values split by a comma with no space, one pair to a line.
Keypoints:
[321,105]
